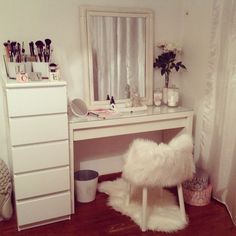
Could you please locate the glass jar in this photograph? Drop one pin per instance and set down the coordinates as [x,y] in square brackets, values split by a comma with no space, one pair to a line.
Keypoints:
[173,97]
[157,97]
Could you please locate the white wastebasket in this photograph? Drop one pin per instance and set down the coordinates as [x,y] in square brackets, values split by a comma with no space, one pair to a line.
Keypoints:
[86,185]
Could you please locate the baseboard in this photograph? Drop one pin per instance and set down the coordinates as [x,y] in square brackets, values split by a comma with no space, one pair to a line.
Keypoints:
[110,177]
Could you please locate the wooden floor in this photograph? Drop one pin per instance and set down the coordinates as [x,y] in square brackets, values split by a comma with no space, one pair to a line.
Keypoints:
[97,219]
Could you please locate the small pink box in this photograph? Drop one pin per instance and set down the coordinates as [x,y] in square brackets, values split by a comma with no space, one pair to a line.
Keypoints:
[198,198]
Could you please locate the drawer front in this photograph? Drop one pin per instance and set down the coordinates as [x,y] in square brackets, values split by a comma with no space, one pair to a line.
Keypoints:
[41,209]
[40,156]
[36,129]
[36,101]
[41,182]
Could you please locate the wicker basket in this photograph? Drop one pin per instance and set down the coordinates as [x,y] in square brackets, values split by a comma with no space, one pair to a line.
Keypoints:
[198,198]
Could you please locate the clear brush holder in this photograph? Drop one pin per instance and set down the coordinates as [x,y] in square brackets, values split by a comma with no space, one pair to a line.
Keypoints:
[41,67]
[13,68]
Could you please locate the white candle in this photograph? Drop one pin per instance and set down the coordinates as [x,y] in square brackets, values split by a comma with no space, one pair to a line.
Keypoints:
[173,97]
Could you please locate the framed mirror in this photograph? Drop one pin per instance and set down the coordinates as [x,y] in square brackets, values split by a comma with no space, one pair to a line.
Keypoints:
[117,48]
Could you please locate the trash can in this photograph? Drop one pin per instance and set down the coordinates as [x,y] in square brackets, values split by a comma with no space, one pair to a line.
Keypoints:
[86,185]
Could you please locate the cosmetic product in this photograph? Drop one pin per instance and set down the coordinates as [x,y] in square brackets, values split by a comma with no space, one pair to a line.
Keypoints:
[157,97]
[112,101]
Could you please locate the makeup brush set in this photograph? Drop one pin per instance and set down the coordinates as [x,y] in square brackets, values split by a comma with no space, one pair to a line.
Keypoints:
[35,63]
[15,52]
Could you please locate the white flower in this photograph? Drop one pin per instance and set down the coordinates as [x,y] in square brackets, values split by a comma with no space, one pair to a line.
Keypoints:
[169,47]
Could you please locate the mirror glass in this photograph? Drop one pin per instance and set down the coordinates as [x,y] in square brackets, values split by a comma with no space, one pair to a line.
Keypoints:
[118,54]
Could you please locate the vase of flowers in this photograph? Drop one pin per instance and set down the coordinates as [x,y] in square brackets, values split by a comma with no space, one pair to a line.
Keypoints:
[167,62]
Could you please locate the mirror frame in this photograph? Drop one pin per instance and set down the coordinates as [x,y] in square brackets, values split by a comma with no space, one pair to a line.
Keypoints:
[85,13]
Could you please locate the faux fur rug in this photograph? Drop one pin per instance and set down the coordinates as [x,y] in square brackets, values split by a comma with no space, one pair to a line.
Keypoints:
[163,213]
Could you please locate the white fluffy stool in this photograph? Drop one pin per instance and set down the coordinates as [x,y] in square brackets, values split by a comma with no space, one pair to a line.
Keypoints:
[148,164]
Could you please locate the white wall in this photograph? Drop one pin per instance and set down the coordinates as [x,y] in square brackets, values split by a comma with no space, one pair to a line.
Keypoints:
[196,39]
[59,20]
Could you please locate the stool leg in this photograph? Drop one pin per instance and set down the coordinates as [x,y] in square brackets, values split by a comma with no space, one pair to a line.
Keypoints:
[144,208]
[161,192]
[181,201]
[129,194]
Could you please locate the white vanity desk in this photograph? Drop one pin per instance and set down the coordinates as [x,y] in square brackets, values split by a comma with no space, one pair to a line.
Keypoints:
[153,119]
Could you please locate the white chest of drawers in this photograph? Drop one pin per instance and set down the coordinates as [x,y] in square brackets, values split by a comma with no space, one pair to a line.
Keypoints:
[39,151]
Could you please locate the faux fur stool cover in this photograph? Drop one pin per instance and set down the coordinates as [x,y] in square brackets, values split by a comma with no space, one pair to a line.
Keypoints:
[163,213]
[150,164]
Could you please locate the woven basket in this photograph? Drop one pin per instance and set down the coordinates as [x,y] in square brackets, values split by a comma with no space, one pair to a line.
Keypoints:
[198,198]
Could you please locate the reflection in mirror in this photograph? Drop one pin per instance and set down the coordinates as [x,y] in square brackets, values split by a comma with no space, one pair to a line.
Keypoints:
[118,54]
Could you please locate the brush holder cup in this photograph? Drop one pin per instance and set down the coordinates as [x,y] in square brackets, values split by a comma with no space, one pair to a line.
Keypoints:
[41,67]
[14,68]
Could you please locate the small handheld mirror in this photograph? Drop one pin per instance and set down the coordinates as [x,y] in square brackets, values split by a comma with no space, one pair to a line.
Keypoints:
[78,107]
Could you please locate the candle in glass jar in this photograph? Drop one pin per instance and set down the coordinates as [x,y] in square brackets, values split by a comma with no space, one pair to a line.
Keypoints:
[173,97]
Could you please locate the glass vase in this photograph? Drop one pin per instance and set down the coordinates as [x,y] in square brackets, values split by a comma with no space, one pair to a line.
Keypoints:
[165,95]
[157,97]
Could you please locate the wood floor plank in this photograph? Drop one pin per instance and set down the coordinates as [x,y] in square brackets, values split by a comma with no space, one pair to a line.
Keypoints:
[97,219]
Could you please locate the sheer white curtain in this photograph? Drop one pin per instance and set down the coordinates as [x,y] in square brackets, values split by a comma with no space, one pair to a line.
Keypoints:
[217,127]
[118,48]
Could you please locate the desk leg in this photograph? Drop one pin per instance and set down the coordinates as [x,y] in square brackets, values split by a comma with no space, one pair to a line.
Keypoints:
[189,125]
[71,145]
[169,134]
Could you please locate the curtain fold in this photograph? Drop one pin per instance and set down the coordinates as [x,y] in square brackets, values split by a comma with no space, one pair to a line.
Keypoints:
[118,51]
[217,142]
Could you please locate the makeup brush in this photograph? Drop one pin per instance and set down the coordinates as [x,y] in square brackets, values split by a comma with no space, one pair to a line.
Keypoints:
[7,50]
[31,46]
[48,42]
[18,49]
[13,50]
[47,50]
[32,54]
[24,58]
[39,44]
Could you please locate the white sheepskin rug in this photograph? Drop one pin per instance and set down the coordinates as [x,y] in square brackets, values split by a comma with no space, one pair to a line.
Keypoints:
[163,213]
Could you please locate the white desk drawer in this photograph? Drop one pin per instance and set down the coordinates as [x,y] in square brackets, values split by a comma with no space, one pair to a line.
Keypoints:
[36,101]
[36,129]
[40,156]
[44,208]
[41,182]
